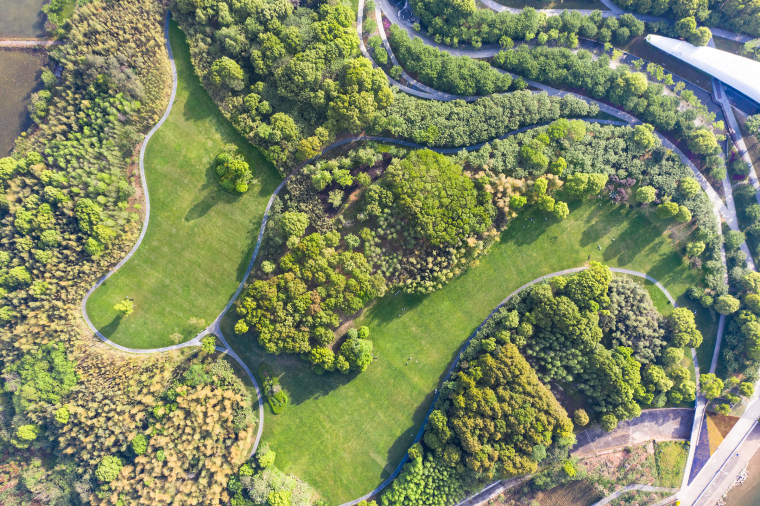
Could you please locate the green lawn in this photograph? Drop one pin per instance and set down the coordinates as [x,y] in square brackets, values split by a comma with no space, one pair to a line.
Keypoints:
[200,238]
[671,461]
[345,434]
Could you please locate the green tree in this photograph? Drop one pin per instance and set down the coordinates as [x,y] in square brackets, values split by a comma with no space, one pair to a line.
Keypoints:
[609,422]
[440,201]
[139,444]
[208,343]
[294,223]
[710,385]
[694,249]
[108,469]
[683,215]
[702,141]
[667,210]
[225,71]
[580,418]
[726,304]
[125,308]
[646,194]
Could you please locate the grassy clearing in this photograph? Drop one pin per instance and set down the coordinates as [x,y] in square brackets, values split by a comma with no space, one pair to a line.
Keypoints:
[671,460]
[345,434]
[200,238]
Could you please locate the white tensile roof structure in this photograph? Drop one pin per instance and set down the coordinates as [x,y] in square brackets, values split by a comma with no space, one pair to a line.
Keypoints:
[738,72]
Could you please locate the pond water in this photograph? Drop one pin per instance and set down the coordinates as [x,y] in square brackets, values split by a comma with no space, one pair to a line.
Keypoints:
[19,73]
[22,19]
[747,494]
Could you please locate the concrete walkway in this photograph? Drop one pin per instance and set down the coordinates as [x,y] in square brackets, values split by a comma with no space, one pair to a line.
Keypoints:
[30,43]
[667,424]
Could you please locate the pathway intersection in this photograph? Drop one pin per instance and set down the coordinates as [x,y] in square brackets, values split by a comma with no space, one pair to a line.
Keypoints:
[744,436]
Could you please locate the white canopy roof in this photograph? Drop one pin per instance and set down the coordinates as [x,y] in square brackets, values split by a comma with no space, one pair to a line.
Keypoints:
[738,72]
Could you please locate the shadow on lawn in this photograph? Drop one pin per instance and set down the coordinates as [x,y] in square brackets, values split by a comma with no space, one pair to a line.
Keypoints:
[402,444]
[108,330]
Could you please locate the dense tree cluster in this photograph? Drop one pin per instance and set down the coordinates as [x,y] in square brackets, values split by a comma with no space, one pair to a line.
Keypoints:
[460,75]
[436,123]
[733,15]
[557,327]
[495,412]
[633,320]
[441,203]
[629,90]
[287,78]
[424,480]
[294,312]
[451,22]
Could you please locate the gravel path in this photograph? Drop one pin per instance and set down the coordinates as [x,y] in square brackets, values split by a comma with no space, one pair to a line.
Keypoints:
[630,488]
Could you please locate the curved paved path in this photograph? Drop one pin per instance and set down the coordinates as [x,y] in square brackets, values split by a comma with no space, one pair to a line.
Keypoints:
[214,328]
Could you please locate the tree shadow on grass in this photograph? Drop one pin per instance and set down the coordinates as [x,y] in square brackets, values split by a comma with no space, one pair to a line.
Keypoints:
[392,306]
[110,329]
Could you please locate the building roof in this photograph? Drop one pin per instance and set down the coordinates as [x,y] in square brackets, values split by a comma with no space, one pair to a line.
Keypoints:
[738,72]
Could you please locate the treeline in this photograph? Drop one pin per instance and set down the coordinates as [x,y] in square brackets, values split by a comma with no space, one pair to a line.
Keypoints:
[452,23]
[732,15]
[459,75]
[111,426]
[435,123]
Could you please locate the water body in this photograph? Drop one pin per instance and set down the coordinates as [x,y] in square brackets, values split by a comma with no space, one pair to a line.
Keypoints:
[22,19]
[747,494]
[19,78]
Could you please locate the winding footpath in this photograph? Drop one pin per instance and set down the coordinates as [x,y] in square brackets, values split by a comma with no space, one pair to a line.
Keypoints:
[426,92]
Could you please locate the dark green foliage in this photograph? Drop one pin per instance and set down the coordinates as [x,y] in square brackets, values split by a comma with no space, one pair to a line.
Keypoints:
[424,480]
[459,75]
[441,203]
[43,377]
[288,79]
[314,288]
[496,411]
[232,170]
[633,320]
[563,68]
[495,116]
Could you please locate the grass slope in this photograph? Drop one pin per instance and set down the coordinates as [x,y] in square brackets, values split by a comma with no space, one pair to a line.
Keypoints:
[200,238]
[345,434]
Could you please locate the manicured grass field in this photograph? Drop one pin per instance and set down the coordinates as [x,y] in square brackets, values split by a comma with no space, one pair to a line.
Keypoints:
[345,434]
[200,238]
